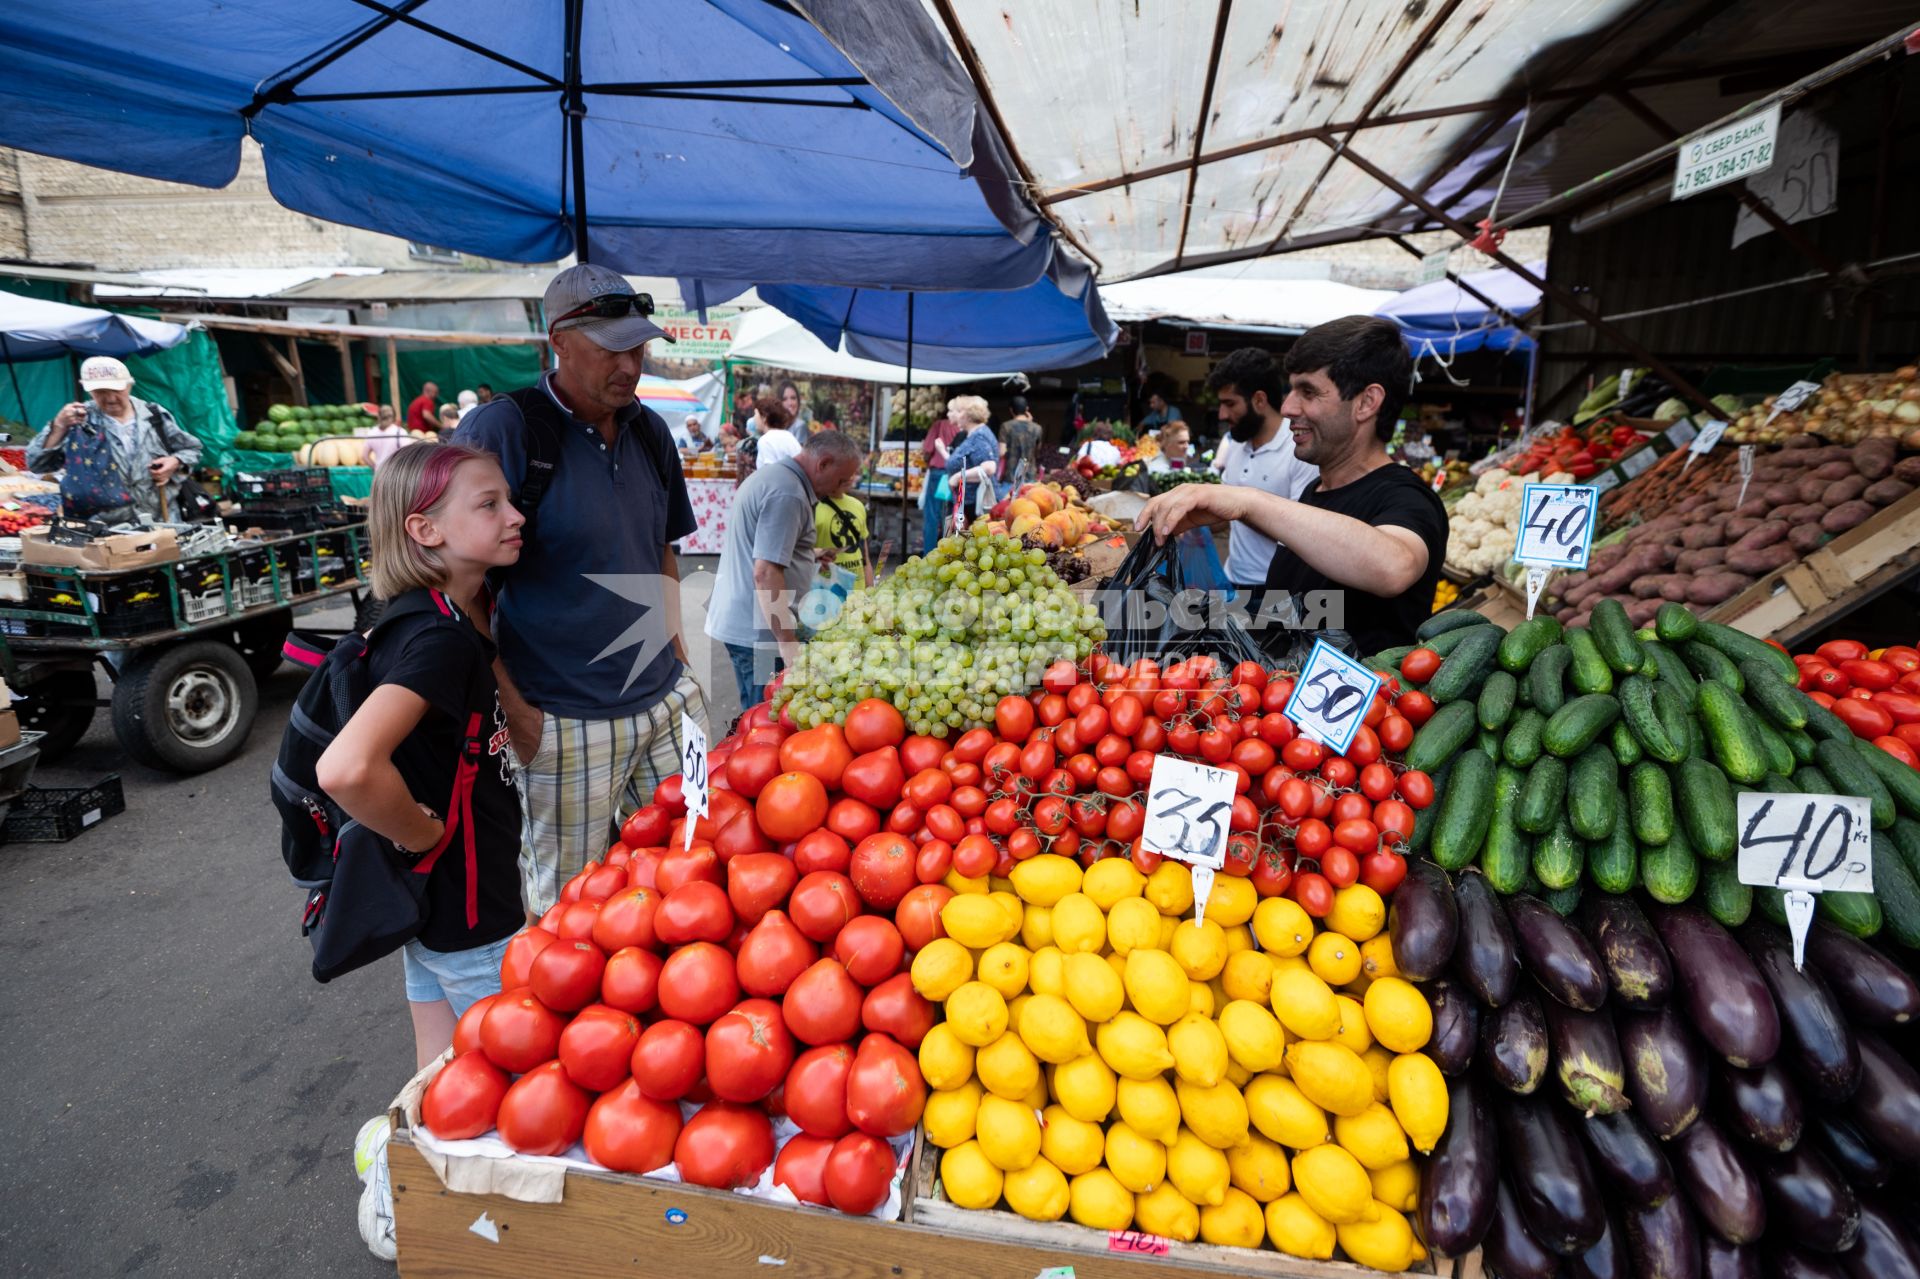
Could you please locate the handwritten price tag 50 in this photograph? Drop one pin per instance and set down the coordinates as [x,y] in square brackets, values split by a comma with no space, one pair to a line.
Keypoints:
[1332,697]
[693,769]
[1137,1241]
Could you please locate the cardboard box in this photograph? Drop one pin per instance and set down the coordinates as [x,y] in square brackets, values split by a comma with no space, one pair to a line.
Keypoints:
[113,553]
[9,729]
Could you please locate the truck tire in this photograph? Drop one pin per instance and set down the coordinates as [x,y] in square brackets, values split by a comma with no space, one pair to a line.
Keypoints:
[187,707]
[258,641]
[61,705]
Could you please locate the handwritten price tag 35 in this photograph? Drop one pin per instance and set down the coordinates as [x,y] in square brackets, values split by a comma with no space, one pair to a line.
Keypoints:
[1558,528]
[1137,1241]
[1332,697]
[693,769]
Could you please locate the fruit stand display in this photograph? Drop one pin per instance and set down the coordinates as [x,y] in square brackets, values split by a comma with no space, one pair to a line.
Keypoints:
[1483,991]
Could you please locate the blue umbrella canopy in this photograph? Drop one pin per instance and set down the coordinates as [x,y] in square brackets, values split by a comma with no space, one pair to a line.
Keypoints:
[726,139]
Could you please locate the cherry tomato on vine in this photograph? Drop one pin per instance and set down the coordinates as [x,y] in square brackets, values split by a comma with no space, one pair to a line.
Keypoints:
[1296,798]
[1383,871]
[1254,755]
[1082,768]
[1183,739]
[1242,848]
[1339,771]
[1394,819]
[1052,709]
[1023,843]
[974,856]
[1419,665]
[1364,749]
[1276,730]
[1415,707]
[1114,781]
[1250,673]
[1313,837]
[1245,814]
[1272,873]
[1139,766]
[1416,788]
[1340,866]
[1356,834]
[1396,732]
[1302,754]
[973,746]
[1313,892]
[1376,781]
[1349,806]
[1125,819]
[1013,718]
[1112,749]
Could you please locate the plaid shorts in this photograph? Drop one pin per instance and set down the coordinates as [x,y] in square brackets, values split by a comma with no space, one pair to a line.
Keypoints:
[589,774]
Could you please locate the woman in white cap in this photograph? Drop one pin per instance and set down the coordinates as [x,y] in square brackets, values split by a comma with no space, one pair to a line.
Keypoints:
[119,456]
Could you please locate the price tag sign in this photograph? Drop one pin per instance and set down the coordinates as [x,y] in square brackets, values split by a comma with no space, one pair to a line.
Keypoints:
[693,769]
[1703,443]
[1746,472]
[1635,462]
[1792,398]
[1607,479]
[1805,844]
[1189,806]
[1709,436]
[1137,1241]
[1626,382]
[1558,529]
[1681,432]
[1332,696]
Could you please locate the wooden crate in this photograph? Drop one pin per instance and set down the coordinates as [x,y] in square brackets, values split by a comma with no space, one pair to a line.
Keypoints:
[608,1224]
[1818,589]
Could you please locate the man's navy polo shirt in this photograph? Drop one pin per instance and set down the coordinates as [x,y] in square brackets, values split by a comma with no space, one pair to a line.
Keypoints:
[581,620]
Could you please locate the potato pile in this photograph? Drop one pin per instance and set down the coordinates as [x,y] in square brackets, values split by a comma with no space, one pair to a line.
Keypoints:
[1705,546]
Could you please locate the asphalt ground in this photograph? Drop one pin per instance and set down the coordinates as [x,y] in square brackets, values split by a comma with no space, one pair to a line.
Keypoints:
[178,1096]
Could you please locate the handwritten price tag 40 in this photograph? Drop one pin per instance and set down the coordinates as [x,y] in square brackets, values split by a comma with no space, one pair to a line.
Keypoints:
[1805,844]
[693,769]
[1331,699]
[1137,1241]
[1558,528]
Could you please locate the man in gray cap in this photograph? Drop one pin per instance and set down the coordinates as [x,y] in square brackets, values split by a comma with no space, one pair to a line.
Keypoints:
[592,669]
[118,457]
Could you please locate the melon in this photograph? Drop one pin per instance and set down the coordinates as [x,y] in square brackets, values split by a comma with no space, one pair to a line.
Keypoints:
[279,412]
[246,440]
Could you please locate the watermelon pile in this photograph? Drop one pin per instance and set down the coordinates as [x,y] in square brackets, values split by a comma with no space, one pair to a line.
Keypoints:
[287,427]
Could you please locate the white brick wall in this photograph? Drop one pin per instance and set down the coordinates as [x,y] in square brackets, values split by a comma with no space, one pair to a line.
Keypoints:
[54,211]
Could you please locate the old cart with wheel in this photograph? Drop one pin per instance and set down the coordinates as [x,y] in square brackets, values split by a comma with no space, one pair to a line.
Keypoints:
[185,644]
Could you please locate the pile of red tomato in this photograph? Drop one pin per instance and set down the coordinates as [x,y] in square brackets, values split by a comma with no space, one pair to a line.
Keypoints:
[1875,692]
[761,971]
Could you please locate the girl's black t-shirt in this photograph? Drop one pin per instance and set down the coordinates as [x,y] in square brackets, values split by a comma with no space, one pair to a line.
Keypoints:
[454,673]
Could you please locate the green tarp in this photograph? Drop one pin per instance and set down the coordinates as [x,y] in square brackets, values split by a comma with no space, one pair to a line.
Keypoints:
[188,381]
[463,368]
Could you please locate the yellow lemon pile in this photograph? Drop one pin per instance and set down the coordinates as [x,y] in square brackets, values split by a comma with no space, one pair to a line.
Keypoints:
[1252,1078]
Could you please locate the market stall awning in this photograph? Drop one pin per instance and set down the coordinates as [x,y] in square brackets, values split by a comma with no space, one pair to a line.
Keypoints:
[724,138]
[768,336]
[1449,316]
[1282,306]
[36,329]
[1046,325]
[1171,134]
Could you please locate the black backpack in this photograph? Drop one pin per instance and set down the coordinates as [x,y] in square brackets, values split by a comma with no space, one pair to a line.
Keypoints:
[365,899]
[544,421]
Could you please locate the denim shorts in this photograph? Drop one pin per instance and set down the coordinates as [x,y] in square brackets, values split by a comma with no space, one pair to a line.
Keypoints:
[461,977]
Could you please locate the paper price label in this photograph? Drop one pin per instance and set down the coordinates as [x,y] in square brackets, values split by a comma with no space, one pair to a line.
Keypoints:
[1558,526]
[1709,436]
[1332,697]
[1792,398]
[1607,479]
[1805,845]
[1635,462]
[1746,473]
[693,769]
[1681,432]
[1188,808]
[1818,843]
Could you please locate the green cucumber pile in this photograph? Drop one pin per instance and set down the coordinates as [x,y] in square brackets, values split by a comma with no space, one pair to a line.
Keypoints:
[1608,756]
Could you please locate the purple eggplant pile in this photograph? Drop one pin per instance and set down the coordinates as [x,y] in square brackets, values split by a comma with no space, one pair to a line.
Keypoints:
[1638,1090]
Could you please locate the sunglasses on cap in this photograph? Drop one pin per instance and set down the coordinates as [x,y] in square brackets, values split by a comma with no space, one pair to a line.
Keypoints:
[610,306]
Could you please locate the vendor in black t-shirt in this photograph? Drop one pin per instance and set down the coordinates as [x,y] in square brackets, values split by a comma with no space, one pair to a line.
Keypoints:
[1368,529]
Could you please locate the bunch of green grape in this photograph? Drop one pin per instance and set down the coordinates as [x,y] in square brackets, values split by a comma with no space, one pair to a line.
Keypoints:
[945,638]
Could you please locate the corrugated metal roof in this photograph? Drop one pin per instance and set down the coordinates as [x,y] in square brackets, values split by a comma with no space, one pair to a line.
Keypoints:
[1113,134]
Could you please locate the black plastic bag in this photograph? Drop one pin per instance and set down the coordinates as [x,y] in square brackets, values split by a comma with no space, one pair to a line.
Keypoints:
[1151,612]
